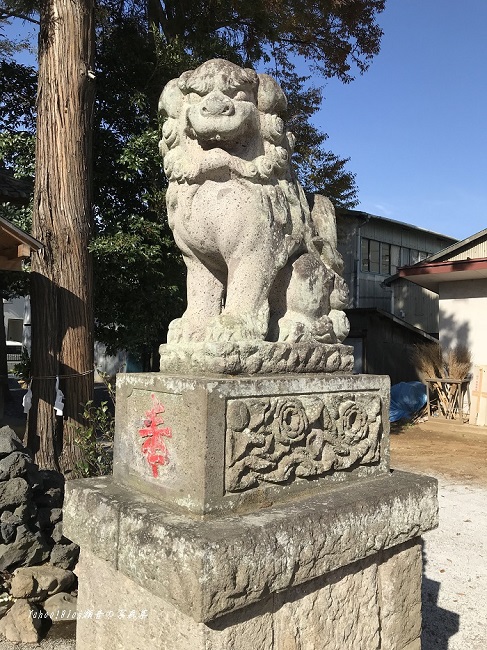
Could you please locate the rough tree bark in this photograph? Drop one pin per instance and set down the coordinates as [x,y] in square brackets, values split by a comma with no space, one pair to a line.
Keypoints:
[61,279]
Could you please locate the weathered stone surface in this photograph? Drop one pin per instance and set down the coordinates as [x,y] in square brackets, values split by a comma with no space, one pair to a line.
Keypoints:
[8,517]
[9,442]
[400,587]
[13,493]
[25,511]
[7,533]
[47,517]
[61,607]
[209,568]
[15,464]
[255,358]
[27,549]
[340,610]
[39,582]
[275,439]
[21,623]
[64,555]
[219,444]
[260,265]
[57,532]
[414,645]
[337,612]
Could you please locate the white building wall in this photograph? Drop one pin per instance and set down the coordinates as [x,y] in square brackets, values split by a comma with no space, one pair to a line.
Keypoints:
[463,317]
[13,310]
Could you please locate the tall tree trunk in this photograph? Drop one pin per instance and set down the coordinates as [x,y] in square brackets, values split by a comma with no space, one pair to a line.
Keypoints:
[61,279]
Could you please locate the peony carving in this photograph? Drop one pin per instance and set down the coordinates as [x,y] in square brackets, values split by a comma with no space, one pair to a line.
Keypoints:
[279,439]
[260,266]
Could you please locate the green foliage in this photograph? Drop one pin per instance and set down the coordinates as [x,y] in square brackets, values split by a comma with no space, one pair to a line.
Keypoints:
[18,97]
[94,441]
[22,369]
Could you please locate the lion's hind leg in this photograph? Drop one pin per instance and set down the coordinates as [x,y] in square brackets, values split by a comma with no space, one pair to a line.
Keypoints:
[308,287]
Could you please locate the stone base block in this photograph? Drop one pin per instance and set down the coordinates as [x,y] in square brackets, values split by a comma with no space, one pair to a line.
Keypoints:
[217,444]
[352,608]
[208,569]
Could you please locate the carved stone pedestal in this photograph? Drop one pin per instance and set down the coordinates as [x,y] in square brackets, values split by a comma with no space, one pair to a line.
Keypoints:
[251,512]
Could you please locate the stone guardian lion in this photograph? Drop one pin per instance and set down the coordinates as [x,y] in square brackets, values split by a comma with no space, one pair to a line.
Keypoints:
[260,265]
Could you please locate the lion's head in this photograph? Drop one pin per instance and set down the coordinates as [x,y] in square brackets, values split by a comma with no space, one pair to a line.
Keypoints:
[222,106]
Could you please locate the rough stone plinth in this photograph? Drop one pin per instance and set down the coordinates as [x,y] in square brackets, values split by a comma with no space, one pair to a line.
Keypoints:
[209,568]
[323,614]
[255,357]
[215,444]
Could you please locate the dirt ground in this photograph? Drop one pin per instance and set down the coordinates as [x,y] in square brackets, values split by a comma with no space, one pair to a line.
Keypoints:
[455,554]
[440,447]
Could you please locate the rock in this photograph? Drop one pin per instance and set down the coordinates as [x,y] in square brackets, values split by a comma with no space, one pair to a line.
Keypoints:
[39,582]
[28,548]
[7,533]
[47,517]
[13,493]
[50,498]
[5,602]
[64,556]
[21,624]
[15,464]
[10,518]
[4,607]
[57,532]
[61,607]
[25,511]
[9,442]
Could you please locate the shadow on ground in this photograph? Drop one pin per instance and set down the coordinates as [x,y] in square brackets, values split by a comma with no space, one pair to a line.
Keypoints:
[438,624]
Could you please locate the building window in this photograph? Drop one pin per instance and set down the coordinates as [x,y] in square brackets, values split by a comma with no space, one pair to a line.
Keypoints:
[395,258]
[376,256]
[385,258]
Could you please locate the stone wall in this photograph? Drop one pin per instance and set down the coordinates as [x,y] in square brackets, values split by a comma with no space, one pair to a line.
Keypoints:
[31,534]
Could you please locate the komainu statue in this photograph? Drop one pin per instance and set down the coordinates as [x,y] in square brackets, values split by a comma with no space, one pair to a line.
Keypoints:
[260,265]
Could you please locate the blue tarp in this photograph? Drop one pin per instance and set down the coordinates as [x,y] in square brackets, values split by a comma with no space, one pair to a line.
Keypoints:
[407,398]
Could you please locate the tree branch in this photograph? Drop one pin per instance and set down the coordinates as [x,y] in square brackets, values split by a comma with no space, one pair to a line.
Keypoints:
[5,15]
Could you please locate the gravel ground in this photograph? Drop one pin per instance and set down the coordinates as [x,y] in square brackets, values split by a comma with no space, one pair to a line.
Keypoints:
[455,575]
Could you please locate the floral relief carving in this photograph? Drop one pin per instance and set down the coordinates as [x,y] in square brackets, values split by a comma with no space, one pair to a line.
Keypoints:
[279,439]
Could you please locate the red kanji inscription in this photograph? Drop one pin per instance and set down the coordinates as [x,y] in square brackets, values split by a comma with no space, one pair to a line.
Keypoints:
[154,447]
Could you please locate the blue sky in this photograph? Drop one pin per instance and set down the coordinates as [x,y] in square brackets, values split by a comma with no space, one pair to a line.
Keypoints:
[414,125]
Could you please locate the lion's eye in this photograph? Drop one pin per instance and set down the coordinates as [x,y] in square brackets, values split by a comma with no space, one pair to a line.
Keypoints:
[239,95]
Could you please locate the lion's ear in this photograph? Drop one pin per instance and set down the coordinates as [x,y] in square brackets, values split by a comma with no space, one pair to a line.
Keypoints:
[171,99]
[270,97]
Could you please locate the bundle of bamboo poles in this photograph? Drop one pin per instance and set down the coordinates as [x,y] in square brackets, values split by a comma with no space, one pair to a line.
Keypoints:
[432,363]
